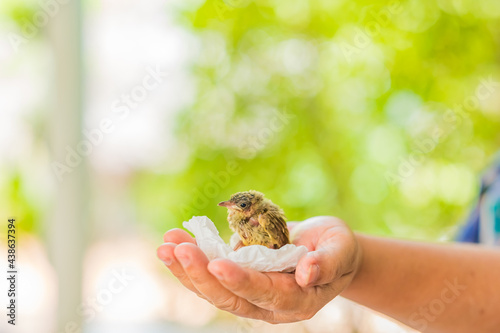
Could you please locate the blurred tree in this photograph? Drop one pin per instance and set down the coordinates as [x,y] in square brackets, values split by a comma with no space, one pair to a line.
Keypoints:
[380,112]
[388,111]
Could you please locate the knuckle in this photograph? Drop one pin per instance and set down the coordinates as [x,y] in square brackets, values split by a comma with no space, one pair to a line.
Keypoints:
[230,304]
[337,272]
[272,319]
[273,302]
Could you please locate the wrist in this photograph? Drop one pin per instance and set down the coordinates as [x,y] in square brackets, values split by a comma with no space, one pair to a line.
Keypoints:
[358,262]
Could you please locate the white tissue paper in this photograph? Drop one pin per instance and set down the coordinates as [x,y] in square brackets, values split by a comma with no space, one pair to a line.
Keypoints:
[257,257]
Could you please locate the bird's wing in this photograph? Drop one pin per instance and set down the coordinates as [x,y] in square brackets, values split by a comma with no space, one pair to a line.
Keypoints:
[275,226]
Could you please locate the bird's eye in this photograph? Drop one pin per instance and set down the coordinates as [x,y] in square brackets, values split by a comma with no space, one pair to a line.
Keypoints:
[243,205]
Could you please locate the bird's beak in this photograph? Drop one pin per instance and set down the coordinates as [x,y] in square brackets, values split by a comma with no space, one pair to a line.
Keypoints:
[227,204]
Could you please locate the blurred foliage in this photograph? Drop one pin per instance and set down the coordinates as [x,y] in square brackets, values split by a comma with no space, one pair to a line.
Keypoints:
[19,202]
[368,84]
[21,12]
[328,107]
[20,195]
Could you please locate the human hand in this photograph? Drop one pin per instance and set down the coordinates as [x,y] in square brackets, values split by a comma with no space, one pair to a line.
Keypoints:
[274,297]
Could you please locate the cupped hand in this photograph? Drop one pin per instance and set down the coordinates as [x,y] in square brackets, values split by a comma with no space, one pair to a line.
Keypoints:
[327,269]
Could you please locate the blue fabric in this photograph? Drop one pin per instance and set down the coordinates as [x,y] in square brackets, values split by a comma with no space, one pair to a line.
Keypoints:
[487,209]
[470,231]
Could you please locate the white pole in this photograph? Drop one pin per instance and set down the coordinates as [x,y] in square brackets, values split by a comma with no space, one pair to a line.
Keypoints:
[67,224]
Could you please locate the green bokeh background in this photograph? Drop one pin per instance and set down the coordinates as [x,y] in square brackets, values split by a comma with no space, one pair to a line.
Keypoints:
[365,84]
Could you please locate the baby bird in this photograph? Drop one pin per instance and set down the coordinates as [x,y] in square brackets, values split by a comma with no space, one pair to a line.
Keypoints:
[257,220]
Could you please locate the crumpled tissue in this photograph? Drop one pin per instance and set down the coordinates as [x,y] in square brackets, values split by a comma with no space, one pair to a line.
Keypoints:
[257,257]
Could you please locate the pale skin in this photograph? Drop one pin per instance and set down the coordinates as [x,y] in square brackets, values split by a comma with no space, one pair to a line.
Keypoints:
[430,287]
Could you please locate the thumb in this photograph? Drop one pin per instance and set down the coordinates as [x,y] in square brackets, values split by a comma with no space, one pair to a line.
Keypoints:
[323,266]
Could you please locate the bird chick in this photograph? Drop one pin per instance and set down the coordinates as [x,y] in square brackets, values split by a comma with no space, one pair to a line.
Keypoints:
[257,220]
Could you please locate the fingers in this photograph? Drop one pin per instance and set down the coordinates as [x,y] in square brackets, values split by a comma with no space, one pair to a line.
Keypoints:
[272,291]
[307,271]
[333,259]
[194,263]
[178,236]
[333,251]
[166,254]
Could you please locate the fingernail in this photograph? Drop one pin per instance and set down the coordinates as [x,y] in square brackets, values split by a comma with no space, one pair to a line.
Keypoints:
[185,260]
[313,274]
[167,261]
[218,274]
